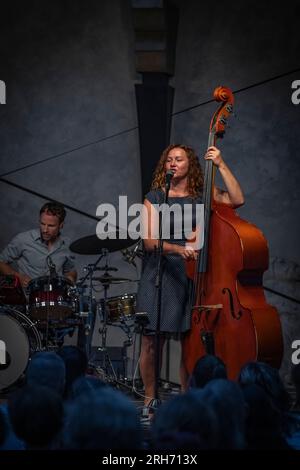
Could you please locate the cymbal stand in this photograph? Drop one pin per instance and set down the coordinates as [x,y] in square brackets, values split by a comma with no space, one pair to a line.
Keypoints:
[126,328]
[106,361]
[90,269]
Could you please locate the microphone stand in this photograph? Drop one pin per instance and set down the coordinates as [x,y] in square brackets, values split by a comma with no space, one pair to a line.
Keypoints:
[154,403]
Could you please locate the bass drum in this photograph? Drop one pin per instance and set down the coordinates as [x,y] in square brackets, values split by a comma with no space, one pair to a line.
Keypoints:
[19,339]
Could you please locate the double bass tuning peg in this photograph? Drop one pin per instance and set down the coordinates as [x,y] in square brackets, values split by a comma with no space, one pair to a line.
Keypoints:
[229,108]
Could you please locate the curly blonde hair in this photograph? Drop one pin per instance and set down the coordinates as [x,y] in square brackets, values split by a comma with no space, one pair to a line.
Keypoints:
[195,174]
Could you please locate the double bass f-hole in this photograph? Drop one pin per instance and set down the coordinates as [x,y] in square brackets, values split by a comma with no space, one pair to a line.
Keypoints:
[232,311]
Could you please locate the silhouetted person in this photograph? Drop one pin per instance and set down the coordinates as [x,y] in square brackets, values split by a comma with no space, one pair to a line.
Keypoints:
[75,363]
[48,369]
[263,422]
[105,419]
[207,368]
[185,420]
[36,414]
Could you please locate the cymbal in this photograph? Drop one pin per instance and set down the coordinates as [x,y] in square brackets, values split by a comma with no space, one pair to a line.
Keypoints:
[92,245]
[111,279]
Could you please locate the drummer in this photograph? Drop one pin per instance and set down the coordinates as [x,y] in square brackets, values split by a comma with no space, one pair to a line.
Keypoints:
[39,252]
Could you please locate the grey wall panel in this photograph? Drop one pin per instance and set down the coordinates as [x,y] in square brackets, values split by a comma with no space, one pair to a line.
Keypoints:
[236,47]
[69,72]
[70,82]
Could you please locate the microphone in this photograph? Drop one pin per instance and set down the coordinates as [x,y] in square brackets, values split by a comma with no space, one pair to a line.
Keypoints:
[130,255]
[52,267]
[169,176]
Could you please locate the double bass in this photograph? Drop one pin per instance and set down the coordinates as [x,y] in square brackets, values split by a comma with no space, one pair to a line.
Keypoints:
[230,315]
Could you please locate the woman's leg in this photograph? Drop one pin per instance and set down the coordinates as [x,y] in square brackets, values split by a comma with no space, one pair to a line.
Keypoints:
[147,365]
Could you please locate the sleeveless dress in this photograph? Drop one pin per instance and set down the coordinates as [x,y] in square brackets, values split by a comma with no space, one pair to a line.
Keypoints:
[176,287]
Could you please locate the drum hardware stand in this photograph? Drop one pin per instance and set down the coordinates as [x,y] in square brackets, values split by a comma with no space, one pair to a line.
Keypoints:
[124,327]
[88,318]
[106,361]
[126,344]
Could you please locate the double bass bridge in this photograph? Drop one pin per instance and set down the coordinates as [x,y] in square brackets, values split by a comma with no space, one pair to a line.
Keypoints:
[200,308]
[208,316]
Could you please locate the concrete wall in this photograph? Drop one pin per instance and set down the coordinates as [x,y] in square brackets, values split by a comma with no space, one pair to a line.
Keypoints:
[70,73]
[239,47]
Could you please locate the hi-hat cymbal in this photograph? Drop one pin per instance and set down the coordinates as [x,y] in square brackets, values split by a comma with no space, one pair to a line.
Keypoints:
[92,245]
[111,279]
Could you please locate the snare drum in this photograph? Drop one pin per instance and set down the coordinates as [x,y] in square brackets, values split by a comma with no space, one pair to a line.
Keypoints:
[50,299]
[121,307]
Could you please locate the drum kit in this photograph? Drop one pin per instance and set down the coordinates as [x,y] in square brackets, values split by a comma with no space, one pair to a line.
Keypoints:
[38,318]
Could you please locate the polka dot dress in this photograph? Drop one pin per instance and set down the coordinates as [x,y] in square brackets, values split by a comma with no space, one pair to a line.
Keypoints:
[176,287]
